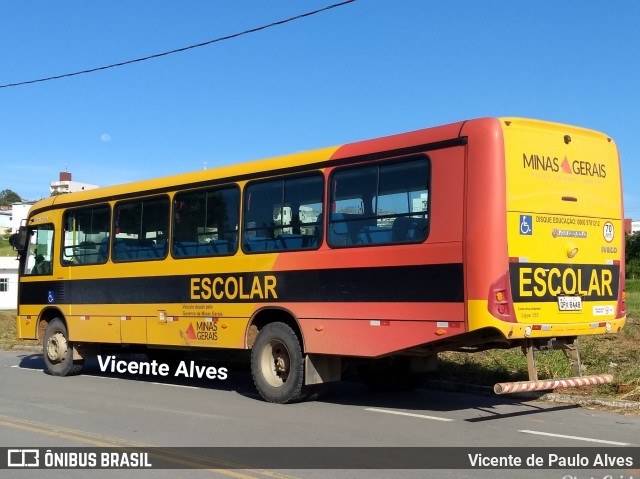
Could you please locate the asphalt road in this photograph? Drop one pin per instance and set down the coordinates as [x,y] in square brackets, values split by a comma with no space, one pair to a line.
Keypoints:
[103,409]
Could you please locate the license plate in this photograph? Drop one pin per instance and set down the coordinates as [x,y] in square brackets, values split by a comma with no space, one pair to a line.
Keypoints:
[570,303]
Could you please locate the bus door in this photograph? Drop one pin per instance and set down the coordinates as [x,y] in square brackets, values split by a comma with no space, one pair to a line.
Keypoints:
[84,237]
[38,289]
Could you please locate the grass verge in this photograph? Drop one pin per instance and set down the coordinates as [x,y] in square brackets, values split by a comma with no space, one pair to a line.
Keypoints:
[9,331]
[617,354]
[5,248]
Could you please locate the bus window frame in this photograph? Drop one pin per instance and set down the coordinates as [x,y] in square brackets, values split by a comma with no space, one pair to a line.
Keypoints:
[319,223]
[109,232]
[115,227]
[378,164]
[210,188]
[31,231]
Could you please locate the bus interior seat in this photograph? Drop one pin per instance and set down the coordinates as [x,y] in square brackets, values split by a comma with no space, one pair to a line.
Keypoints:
[291,241]
[125,249]
[183,249]
[374,235]
[338,230]
[259,243]
[406,228]
[103,251]
[316,239]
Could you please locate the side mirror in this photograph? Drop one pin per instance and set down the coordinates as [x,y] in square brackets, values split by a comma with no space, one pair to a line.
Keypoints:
[19,240]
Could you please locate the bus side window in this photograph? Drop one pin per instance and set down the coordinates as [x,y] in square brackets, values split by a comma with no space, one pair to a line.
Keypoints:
[85,234]
[283,214]
[381,204]
[40,258]
[140,229]
[205,222]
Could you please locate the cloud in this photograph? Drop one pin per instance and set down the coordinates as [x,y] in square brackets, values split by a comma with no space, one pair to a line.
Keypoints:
[105,137]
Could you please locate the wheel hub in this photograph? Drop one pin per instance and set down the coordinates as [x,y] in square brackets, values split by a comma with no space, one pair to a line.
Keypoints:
[281,365]
[275,362]
[57,347]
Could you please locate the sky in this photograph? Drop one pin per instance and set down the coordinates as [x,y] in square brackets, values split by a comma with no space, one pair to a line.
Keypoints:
[367,69]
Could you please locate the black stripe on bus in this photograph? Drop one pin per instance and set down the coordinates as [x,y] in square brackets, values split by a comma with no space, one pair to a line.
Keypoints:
[424,283]
[266,174]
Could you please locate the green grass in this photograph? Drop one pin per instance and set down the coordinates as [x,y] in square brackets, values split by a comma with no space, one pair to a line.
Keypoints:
[633,298]
[5,247]
[8,331]
[617,354]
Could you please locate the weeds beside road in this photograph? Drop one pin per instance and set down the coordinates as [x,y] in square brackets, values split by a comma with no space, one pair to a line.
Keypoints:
[616,354]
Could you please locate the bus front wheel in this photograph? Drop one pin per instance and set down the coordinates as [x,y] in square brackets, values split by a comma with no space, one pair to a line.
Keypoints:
[58,351]
[277,364]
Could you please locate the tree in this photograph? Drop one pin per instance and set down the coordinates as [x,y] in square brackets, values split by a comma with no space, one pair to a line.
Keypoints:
[8,197]
[632,255]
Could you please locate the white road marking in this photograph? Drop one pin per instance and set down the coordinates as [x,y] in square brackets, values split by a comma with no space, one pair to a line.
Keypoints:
[410,414]
[112,377]
[99,377]
[176,385]
[577,438]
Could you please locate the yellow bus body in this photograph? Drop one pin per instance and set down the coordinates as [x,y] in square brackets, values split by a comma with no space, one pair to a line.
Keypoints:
[499,230]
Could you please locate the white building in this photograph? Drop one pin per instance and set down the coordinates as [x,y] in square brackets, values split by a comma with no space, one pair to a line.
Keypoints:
[635,226]
[8,282]
[9,264]
[5,219]
[19,212]
[66,185]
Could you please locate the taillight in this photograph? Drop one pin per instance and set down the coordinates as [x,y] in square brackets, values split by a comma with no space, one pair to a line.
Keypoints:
[622,304]
[500,304]
[621,310]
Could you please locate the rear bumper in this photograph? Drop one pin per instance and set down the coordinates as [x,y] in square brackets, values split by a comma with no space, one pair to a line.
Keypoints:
[479,318]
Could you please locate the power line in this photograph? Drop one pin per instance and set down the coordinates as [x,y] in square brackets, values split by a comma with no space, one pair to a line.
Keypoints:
[178,50]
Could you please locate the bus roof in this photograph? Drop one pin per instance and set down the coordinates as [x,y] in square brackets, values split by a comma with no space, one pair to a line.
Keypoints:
[287,163]
[243,171]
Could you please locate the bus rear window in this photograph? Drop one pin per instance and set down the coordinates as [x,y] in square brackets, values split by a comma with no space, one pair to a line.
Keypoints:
[380,204]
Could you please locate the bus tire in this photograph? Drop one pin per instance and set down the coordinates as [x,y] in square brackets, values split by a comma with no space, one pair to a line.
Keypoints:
[277,364]
[58,351]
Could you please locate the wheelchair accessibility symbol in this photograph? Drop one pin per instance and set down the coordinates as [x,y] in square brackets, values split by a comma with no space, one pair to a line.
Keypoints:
[526,225]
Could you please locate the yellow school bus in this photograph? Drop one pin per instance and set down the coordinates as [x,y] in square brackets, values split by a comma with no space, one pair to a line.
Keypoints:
[494,232]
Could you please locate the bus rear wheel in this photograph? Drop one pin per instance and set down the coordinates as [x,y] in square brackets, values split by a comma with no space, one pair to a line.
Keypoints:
[58,351]
[277,364]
